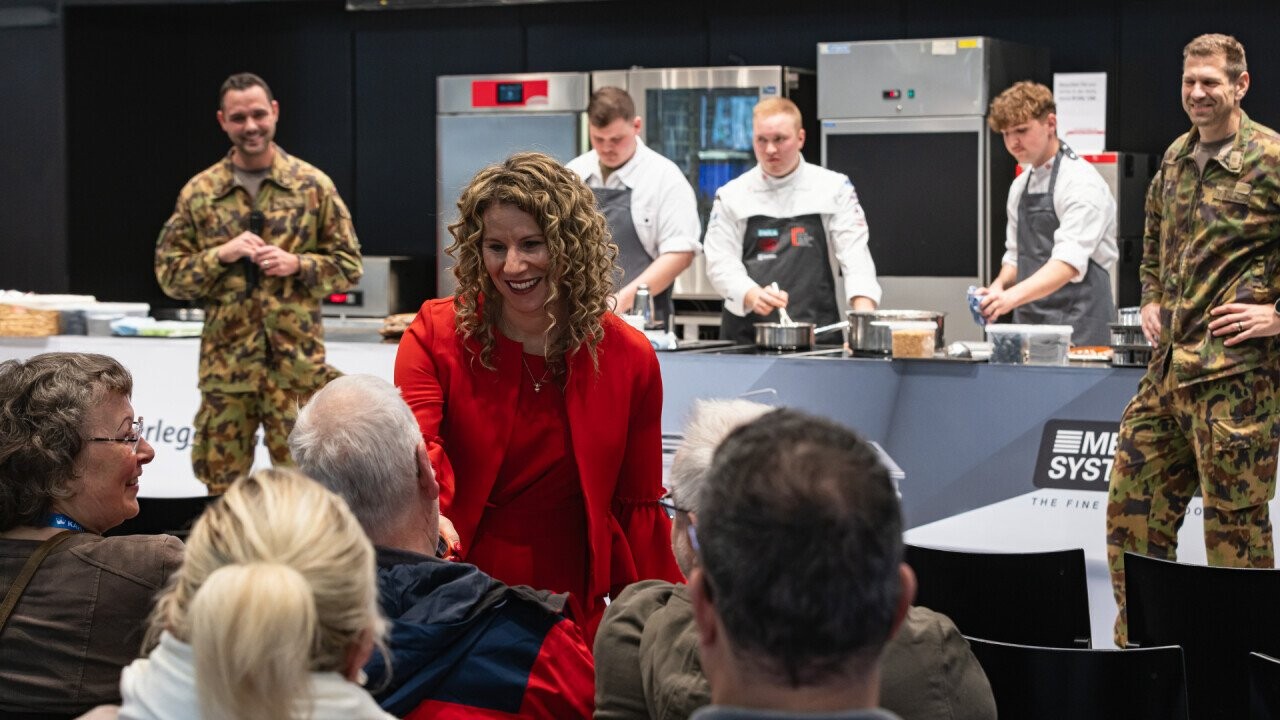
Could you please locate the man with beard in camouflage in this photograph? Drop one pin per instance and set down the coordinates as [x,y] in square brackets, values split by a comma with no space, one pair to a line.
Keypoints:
[259,238]
[1204,416]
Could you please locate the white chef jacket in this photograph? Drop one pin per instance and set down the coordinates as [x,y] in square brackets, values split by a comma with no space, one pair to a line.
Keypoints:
[810,189]
[1086,212]
[663,208]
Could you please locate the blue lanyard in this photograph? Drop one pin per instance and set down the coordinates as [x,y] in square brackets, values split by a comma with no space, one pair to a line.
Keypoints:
[58,520]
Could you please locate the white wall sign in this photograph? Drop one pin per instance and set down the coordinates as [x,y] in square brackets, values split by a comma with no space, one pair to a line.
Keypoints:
[1082,110]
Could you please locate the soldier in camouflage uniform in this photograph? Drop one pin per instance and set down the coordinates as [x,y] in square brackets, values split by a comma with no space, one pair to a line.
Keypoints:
[1205,413]
[259,238]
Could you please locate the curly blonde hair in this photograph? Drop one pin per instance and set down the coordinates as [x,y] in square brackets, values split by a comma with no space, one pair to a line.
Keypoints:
[581,269]
[1021,102]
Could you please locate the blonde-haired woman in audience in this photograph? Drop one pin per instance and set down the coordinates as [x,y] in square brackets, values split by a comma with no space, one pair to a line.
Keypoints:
[272,614]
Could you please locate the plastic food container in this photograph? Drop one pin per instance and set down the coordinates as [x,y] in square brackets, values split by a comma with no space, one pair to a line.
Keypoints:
[1029,344]
[911,338]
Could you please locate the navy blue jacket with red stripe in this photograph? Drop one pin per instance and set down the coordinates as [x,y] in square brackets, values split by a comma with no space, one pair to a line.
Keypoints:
[464,645]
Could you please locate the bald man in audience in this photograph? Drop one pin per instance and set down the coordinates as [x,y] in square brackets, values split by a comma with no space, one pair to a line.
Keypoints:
[462,644]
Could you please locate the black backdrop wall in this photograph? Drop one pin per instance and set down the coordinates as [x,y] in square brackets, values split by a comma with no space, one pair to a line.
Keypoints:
[357,92]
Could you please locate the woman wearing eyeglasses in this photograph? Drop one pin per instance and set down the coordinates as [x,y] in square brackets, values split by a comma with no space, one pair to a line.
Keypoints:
[541,409]
[71,454]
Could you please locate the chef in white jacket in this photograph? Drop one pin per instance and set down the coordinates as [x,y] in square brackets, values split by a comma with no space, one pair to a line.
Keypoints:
[648,202]
[789,222]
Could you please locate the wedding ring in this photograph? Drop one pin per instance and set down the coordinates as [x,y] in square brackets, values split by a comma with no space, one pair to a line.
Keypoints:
[266,264]
[1239,326]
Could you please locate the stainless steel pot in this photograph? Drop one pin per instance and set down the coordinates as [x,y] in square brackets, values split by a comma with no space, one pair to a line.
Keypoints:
[791,336]
[869,335]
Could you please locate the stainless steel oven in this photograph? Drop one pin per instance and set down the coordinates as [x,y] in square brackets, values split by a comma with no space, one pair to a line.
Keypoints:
[700,118]
[482,119]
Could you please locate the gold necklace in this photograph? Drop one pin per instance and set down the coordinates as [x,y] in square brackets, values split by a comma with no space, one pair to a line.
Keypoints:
[537,383]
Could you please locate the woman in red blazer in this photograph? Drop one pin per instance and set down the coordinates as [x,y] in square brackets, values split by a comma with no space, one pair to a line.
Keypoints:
[540,408]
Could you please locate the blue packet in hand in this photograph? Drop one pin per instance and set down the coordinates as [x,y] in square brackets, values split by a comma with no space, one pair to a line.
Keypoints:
[975,305]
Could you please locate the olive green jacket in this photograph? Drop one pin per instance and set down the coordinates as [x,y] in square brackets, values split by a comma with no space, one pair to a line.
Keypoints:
[274,327]
[647,664]
[1212,239]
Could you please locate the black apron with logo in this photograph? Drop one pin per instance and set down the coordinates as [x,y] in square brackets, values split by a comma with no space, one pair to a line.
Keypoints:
[1087,305]
[615,205]
[793,253]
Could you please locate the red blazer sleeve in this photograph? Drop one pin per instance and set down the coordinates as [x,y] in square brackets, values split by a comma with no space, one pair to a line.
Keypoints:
[643,522]
[417,376]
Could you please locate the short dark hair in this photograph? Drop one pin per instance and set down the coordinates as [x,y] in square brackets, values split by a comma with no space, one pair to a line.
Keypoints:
[800,537]
[609,104]
[243,81]
[1227,46]
[44,401]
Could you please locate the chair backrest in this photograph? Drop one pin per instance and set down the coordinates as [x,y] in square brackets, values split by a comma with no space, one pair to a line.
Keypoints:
[1074,683]
[1218,615]
[164,516]
[1264,687]
[1030,598]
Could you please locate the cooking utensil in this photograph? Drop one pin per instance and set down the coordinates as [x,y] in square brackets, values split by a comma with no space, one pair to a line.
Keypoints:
[869,335]
[782,312]
[797,336]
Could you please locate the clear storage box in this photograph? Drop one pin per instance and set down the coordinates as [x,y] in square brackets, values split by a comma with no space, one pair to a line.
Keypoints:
[1029,344]
[911,338]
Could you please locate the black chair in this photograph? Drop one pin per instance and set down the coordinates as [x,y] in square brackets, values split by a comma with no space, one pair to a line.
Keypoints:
[1264,687]
[1029,598]
[164,516]
[1076,683]
[1218,615]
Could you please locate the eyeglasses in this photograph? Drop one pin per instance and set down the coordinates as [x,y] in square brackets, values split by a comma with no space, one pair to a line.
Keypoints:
[132,439]
[668,503]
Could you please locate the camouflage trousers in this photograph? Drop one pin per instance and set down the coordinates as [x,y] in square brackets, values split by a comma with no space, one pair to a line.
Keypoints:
[226,428]
[1219,437]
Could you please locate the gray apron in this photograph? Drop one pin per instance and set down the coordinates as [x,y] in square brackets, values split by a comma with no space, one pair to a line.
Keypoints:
[793,253]
[615,205]
[1087,305]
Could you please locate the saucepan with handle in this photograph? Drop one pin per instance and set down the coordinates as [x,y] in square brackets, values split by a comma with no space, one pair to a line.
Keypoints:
[789,334]
[792,336]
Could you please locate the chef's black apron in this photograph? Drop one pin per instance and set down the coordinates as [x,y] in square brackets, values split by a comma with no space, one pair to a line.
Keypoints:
[615,205]
[793,253]
[1087,305]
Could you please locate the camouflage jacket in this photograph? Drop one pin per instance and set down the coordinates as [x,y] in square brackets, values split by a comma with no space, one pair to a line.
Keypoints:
[274,327]
[1212,239]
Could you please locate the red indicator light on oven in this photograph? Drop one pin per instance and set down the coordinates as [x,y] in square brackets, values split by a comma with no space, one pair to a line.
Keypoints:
[892,94]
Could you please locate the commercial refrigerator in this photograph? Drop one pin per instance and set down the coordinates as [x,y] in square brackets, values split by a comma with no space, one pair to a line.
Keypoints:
[482,119]
[906,121]
[700,118]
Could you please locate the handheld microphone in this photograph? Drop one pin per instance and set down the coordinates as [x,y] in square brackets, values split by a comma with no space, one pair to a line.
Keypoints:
[256,222]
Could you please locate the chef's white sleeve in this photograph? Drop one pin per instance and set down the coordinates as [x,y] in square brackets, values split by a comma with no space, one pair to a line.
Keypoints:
[723,248]
[848,234]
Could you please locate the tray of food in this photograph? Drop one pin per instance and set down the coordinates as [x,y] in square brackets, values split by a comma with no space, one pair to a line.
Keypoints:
[1090,353]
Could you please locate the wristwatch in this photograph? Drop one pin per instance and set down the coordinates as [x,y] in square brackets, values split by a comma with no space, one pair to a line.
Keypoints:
[1277,306]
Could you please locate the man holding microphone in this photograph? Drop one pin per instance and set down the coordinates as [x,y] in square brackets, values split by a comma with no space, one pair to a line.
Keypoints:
[259,238]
